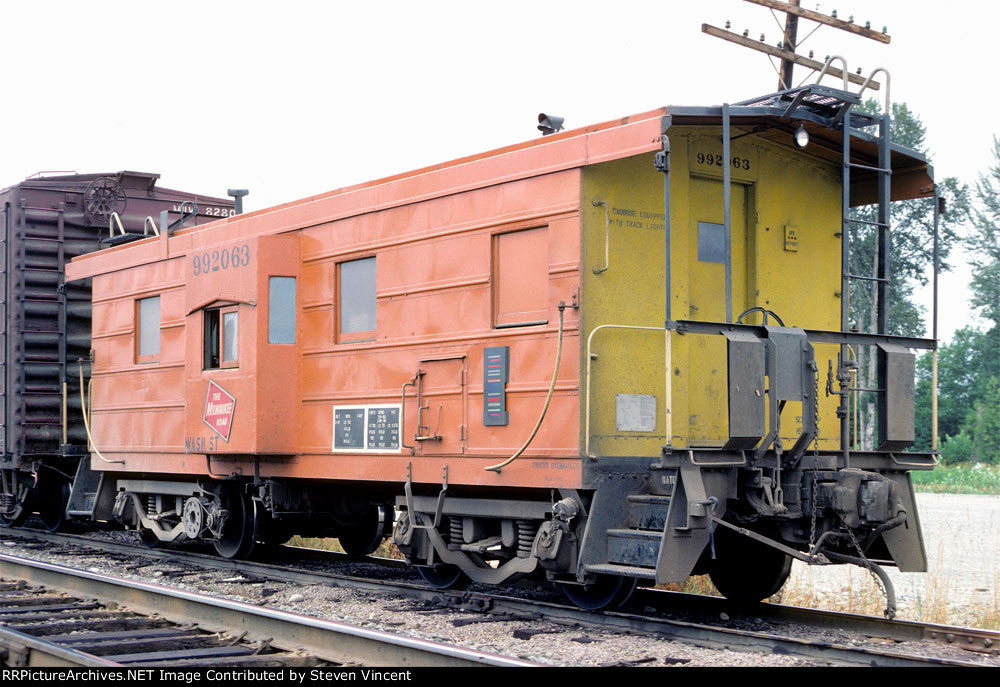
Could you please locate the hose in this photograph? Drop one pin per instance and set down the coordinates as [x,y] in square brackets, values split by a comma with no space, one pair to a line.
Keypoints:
[86,421]
[548,399]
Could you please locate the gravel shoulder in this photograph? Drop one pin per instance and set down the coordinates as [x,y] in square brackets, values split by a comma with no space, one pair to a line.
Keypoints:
[962,539]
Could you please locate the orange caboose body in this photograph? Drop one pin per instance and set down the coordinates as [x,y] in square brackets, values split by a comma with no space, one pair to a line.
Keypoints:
[479,348]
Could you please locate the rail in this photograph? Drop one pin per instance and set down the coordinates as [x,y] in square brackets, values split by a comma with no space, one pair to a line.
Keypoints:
[975,641]
[327,640]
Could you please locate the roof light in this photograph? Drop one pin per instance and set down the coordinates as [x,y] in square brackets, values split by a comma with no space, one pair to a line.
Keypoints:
[801,136]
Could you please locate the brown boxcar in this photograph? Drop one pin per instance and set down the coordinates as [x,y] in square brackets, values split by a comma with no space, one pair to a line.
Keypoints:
[45,221]
[532,360]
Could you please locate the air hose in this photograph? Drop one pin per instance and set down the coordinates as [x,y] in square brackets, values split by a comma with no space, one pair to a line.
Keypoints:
[548,399]
[86,421]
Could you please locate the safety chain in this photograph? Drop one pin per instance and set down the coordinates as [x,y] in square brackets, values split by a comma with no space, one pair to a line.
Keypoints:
[816,408]
[864,559]
[812,523]
[815,486]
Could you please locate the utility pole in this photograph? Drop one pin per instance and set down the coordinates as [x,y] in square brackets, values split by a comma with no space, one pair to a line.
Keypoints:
[788,41]
[785,49]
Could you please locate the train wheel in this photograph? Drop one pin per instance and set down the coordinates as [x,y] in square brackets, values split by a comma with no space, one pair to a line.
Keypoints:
[53,497]
[606,592]
[271,532]
[240,532]
[745,570]
[445,577]
[364,538]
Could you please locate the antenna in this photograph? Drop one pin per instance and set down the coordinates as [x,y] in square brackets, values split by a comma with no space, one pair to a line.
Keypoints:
[785,49]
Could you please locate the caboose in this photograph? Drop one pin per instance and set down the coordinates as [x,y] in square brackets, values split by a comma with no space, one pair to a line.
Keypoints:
[611,356]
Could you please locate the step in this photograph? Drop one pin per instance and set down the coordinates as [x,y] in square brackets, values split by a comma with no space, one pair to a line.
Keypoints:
[638,548]
[649,511]
[623,570]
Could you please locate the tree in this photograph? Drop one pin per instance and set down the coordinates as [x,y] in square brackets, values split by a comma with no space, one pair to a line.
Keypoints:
[969,365]
[910,259]
[984,242]
[983,420]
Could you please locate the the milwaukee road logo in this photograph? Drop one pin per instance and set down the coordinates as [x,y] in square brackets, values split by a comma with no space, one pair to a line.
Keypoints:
[219,408]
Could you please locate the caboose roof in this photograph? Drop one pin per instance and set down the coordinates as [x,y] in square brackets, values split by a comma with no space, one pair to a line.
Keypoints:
[774,118]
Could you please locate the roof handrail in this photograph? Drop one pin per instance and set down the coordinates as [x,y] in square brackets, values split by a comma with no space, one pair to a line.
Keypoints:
[115,218]
[871,76]
[826,66]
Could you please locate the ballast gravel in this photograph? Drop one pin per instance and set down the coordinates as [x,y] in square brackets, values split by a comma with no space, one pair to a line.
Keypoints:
[945,522]
[540,641]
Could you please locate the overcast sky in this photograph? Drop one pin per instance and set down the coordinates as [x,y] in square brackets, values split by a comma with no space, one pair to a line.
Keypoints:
[295,98]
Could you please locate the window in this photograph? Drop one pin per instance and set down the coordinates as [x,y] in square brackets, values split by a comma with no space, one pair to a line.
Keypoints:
[148,336]
[221,338]
[281,310]
[357,300]
[521,278]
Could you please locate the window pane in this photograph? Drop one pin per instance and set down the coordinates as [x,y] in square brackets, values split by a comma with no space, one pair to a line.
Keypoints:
[149,326]
[357,296]
[230,324]
[281,311]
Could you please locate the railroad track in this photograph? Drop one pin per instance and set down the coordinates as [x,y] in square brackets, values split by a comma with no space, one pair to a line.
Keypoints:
[701,633]
[138,624]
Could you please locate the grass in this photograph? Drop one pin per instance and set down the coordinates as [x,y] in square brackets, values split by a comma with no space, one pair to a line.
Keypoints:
[962,478]
[386,550]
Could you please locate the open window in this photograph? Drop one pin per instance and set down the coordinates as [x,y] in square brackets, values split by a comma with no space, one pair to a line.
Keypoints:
[221,338]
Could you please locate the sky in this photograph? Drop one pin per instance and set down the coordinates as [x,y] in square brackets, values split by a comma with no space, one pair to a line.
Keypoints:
[294,98]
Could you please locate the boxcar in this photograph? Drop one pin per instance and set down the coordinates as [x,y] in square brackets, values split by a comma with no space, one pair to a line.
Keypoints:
[45,326]
[608,356]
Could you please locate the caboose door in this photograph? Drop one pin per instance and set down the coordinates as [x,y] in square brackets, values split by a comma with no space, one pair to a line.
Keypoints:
[707,300]
[438,414]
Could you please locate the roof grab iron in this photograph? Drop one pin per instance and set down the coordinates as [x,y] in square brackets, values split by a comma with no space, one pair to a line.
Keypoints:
[185,216]
[887,102]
